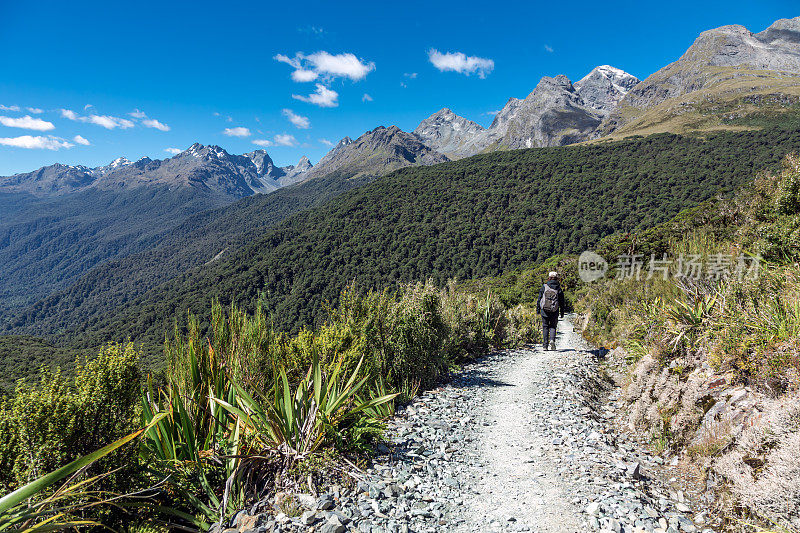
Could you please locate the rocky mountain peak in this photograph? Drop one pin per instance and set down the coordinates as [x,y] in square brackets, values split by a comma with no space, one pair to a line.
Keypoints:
[376,152]
[449,133]
[776,48]
[344,142]
[200,151]
[443,114]
[291,174]
[143,162]
[783,32]
[559,87]
[301,166]
[718,56]
[262,161]
[553,114]
[380,135]
[604,87]
[113,166]
[558,83]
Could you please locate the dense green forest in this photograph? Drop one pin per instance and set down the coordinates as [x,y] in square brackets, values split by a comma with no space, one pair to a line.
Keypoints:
[466,219]
[46,244]
[24,357]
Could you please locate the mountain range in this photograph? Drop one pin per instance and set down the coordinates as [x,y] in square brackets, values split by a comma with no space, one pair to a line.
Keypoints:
[723,65]
[73,236]
[209,169]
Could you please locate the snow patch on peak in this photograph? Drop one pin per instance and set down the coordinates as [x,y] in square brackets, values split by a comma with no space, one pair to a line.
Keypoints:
[194,150]
[216,151]
[604,87]
[611,72]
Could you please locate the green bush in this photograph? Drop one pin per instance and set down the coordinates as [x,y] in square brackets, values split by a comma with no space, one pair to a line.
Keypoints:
[788,197]
[524,326]
[49,424]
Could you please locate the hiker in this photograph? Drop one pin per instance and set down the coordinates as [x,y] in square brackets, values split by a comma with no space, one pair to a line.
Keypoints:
[550,304]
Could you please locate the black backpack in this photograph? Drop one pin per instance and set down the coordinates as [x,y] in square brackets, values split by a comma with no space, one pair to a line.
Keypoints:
[549,301]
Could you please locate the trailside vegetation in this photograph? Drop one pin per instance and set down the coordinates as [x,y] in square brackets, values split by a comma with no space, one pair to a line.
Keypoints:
[244,410]
[715,361]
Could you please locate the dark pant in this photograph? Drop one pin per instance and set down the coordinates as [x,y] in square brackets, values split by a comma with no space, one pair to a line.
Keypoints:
[549,324]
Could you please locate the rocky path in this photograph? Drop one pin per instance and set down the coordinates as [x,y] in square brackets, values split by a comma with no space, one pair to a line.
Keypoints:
[515,481]
[521,440]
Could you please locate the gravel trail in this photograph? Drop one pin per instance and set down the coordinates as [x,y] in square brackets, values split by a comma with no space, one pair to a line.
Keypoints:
[519,440]
[517,480]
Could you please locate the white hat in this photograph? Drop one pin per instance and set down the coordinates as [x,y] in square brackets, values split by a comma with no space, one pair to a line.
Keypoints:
[553,274]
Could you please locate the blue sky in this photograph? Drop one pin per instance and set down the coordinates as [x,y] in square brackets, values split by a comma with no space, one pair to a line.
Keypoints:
[136,79]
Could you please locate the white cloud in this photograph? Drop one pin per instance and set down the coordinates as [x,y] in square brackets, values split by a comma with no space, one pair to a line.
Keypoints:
[283,58]
[87,106]
[238,131]
[310,67]
[153,123]
[173,151]
[410,75]
[326,142]
[35,110]
[28,123]
[302,75]
[322,97]
[492,113]
[461,63]
[344,65]
[148,122]
[36,143]
[81,140]
[366,98]
[285,140]
[548,48]
[106,121]
[299,122]
[9,107]
[278,140]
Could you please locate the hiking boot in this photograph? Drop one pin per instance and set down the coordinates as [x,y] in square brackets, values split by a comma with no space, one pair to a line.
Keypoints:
[553,345]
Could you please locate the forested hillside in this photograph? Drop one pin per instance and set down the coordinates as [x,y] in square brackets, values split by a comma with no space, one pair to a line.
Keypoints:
[46,244]
[472,218]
